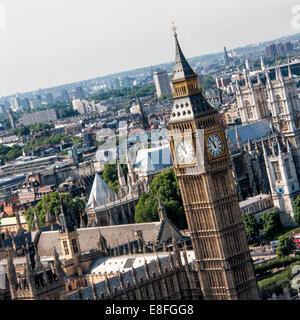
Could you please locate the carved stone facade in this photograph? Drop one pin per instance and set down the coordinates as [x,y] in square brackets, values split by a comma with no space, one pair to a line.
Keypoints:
[207,187]
[251,100]
[36,281]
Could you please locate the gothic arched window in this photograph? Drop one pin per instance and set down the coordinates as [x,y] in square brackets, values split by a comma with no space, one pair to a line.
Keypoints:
[291,101]
[279,104]
[249,110]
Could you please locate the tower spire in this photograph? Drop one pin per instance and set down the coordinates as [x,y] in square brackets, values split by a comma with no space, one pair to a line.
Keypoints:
[182,69]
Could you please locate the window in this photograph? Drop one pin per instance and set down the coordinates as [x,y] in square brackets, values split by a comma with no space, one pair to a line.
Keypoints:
[66,248]
[249,110]
[279,104]
[276,170]
[292,101]
[288,169]
[74,245]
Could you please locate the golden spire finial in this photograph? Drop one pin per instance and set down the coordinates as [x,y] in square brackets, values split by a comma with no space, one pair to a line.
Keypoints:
[174,28]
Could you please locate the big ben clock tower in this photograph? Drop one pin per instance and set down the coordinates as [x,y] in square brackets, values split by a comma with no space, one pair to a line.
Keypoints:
[203,168]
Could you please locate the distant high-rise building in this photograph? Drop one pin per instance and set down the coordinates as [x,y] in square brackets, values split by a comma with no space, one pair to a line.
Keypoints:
[116,83]
[162,83]
[11,118]
[288,47]
[79,93]
[126,82]
[248,65]
[80,106]
[226,57]
[15,104]
[87,139]
[49,98]
[108,84]
[280,48]
[271,50]
[64,95]
[25,103]
[35,103]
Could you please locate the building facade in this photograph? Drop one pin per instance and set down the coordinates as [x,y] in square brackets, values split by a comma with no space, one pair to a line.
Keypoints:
[162,83]
[208,191]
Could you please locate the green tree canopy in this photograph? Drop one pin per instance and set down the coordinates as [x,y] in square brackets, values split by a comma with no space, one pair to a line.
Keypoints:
[50,140]
[208,82]
[129,92]
[296,209]
[9,153]
[164,184]
[271,223]
[52,202]
[110,175]
[146,209]
[252,226]
[285,247]
[27,130]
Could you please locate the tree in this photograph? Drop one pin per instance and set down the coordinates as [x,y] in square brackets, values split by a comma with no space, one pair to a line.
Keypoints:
[9,153]
[52,201]
[164,184]
[127,108]
[251,226]
[296,210]
[271,223]
[110,175]
[54,139]
[146,209]
[285,247]
[208,82]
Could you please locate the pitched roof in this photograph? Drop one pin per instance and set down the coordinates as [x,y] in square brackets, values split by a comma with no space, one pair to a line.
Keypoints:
[182,69]
[127,277]
[152,159]
[114,235]
[21,239]
[100,193]
[251,131]
[11,221]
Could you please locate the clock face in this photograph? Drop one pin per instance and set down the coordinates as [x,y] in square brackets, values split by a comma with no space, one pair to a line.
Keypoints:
[185,152]
[214,145]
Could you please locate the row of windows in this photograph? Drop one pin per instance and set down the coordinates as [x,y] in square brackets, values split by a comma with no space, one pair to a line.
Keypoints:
[277,172]
[74,246]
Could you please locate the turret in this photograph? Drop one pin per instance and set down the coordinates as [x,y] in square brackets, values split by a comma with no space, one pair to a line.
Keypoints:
[290,74]
[121,177]
[238,138]
[262,64]
[161,210]
[278,73]
[20,230]
[108,290]
[11,275]
[29,272]
[37,226]
[38,264]
[176,251]
[146,269]
[94,291]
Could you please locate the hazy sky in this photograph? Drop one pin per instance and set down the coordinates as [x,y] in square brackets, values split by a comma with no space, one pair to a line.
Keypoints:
[52,42]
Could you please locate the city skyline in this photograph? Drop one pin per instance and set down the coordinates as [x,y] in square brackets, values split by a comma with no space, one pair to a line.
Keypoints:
[45,46]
